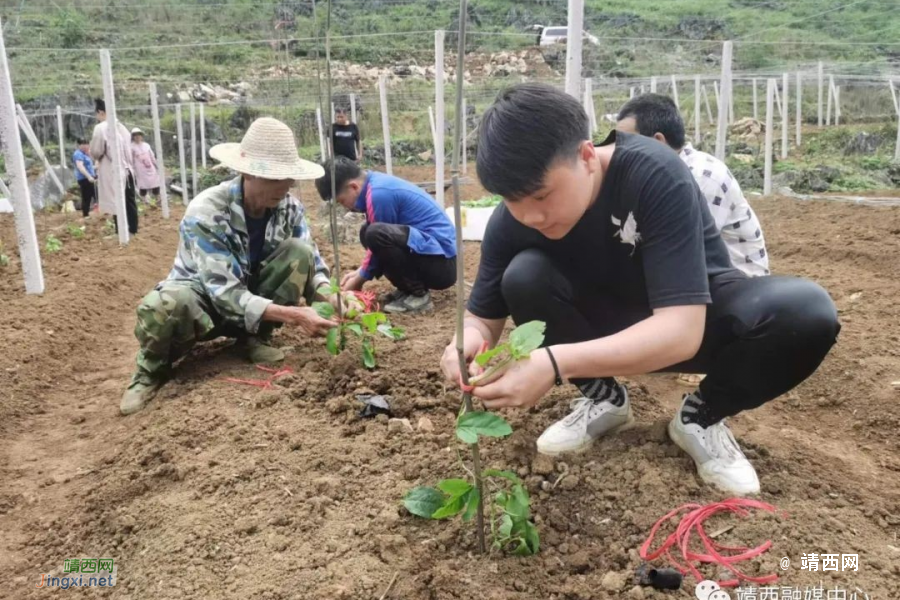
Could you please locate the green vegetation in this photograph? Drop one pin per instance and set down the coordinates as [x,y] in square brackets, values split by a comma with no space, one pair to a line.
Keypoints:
[53,244]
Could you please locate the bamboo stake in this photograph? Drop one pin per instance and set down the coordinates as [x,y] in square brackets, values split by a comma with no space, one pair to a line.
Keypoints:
[330,149]
[460,263]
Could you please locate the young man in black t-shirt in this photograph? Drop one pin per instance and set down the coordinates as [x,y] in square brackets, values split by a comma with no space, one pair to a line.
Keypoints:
[615,249]
[345,137]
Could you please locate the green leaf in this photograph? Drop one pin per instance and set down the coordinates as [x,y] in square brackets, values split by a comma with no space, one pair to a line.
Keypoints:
[368,353]
[395,333]
[323,309]
[504,474]
[472,424]
[532,537]
[518,504]
[472,502]
[356,328]
[506,525]
[371,320]
[454,487]
[452,507]
[331,341]
[423,501]
[485,357]
[526,337]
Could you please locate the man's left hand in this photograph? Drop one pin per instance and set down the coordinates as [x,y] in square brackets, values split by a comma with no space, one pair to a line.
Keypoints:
[522,385]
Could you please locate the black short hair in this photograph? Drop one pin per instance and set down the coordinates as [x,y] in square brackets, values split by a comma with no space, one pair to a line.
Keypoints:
[99,105]
[523,133]
[656,113]
[344,170]
[80,142]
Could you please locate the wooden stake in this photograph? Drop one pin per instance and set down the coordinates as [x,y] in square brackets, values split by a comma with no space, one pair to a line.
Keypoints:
[755,103]
[465,137]
[321,133]
[62,137]
[203,135]
[179,127]
[837,105]
[112,139]
[440,118]
[631,92]
[830,99]
[784,115]
[195,178]
[894,95]
[385,124]
[653,85]
[724,100]
[36,145]
[821,90]
[353,108]
[19,195]
[709,112]
[697,109]
[675,93]
[433,131]
[770,120]
[573,47]
[158,142]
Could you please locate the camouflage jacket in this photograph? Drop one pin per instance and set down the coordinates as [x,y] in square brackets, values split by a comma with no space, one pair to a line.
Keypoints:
[213,253]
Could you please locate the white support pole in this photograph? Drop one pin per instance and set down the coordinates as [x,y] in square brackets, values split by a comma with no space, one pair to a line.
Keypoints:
[465,138]
[19,196]
[724,101]
[592,113]
[322,152]
[440,118]
[896,147]
[675,93]
[709,113]
[785,103]
[62,137]
[821,90]
[778,107]
[195,179]
[631,92]
[697,109]
[203,135]
[653,84]
[588,103]
[331,116]
[830,99]
[353,108]
[770,120]
[730,99]
[179,127]
[433,131]
[157,141]
[798,117]
[112,139]
[894,95]
[36,145]
[837,105]
[755,102]
[385,124]
[573,47]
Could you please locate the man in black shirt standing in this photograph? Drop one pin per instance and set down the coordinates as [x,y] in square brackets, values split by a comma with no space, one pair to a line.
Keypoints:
[615,249]
[345,137]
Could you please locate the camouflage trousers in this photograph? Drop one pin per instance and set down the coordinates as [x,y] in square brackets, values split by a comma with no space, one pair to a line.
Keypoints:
[176,315]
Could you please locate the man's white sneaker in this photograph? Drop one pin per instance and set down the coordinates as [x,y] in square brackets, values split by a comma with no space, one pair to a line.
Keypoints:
[589,420]
[719,459]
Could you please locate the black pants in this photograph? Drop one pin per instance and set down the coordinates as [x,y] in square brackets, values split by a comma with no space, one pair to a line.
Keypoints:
[409,272]
[131,211]
[763,336]
[88,194]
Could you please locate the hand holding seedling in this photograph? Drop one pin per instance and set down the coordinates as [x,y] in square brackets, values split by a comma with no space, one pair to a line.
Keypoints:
[352,281]
[474,342]
[306,319]
[521,385]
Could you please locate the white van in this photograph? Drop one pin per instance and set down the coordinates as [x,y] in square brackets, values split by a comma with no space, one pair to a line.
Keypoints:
[558,35]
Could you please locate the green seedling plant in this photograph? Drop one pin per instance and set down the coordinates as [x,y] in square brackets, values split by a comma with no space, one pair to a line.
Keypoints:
[485,202]
[53,244]
[358,321]
[509,505]
[4,257]
[109,227]
[75,231]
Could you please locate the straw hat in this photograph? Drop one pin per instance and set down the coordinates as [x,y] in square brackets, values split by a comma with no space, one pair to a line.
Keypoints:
[137,130]
[267,151]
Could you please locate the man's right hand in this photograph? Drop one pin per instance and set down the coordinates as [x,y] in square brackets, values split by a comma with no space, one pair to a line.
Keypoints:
[473,340]
[304,318]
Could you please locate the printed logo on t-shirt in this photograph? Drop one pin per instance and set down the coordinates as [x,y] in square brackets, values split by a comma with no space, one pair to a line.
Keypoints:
[628,232]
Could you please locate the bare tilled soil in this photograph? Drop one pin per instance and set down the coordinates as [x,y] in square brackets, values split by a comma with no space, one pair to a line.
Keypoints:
[224,490]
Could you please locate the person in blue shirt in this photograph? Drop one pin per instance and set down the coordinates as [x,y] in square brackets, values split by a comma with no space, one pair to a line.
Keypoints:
[408,238]
[85,175]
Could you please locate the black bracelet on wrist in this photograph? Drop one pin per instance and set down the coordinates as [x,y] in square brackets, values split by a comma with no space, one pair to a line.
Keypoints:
[559,380]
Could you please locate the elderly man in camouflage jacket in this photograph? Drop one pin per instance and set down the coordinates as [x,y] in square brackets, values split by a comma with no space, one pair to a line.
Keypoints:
[244,261]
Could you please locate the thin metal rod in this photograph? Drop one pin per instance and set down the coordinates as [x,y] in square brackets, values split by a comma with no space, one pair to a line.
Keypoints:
[329,145]
[458,141]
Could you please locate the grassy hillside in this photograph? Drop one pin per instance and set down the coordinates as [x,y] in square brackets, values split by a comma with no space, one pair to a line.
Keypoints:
[45,36]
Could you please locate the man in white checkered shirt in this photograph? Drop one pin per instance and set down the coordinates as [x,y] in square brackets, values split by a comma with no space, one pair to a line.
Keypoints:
[656,116]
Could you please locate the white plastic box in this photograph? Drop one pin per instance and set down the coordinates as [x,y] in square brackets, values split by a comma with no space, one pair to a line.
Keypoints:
[474,221]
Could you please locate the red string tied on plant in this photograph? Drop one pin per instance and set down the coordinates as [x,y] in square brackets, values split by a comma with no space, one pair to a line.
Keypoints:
[368,299]
[719,554]
[262,383]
